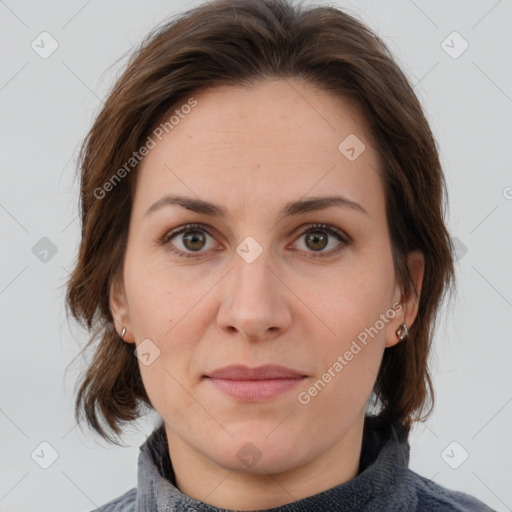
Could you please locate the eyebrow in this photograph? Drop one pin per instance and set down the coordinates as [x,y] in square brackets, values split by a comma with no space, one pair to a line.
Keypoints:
[311,204]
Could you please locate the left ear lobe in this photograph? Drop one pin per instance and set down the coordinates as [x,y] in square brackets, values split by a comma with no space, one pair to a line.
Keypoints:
[410,305]
[119,310]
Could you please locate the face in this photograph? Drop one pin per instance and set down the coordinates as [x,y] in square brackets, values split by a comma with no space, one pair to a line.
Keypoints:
[260,282]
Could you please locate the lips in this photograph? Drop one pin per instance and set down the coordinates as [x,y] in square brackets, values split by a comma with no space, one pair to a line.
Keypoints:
[255,384]
[267,372]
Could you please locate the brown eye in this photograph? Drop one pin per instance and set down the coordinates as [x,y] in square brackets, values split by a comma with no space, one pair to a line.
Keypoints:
[319,236]
[316,240]
[194,240]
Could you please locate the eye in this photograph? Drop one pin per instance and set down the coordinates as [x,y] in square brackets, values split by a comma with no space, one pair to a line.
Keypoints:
[317,238]
[194,239]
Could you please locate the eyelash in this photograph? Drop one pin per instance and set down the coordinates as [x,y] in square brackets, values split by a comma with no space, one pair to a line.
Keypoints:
[345,239]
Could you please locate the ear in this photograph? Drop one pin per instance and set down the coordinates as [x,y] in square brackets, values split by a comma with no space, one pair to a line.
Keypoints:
[407,314]
[120,311]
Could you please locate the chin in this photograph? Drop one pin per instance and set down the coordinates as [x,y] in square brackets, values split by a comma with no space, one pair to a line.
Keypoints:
[260,453]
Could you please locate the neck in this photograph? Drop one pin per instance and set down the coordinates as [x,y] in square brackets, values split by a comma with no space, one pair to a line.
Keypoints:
[201,478]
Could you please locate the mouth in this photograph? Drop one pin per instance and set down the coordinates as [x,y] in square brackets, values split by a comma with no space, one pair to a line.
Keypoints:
[255,384]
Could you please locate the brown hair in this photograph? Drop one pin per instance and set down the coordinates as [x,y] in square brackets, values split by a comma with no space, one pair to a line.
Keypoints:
[238,42]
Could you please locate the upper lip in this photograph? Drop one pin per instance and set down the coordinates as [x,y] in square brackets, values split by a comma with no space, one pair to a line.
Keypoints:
[242,372]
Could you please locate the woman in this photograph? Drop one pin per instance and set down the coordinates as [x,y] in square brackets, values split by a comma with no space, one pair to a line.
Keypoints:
[262,261]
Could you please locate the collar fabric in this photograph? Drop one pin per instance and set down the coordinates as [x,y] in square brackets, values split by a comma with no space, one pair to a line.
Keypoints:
[384,483]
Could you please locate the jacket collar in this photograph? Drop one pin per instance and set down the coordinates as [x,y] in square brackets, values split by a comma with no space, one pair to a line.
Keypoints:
[383,463]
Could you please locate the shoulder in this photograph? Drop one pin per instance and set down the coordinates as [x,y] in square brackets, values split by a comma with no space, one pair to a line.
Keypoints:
[123,503]
[433,497]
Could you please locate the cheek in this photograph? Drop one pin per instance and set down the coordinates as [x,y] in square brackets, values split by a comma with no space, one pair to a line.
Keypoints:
[355,310]
[347,373]
[353,299]
[173,397]
[159,294]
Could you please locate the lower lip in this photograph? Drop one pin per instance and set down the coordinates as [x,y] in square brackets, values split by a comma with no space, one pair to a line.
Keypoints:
[255,390]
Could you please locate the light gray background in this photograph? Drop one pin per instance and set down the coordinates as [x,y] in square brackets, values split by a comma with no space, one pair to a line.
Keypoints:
[47,106]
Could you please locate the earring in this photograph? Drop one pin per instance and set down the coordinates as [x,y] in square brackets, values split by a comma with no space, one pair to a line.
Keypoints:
[123,332]
[402,332]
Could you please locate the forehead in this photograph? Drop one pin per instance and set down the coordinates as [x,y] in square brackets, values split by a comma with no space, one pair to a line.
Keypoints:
[278,138]
[278,112]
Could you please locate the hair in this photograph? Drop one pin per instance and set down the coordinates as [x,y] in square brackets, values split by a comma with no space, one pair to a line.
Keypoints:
[239,43]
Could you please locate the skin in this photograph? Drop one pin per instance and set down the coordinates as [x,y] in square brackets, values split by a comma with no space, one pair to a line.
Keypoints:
[251,150]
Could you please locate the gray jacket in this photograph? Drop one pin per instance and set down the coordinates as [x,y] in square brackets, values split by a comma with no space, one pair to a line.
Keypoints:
[384,483]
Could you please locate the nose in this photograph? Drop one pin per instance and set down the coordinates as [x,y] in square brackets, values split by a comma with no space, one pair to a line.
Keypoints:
[254,300]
